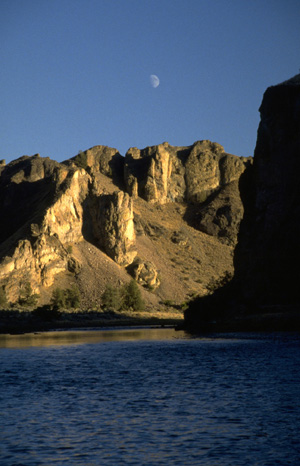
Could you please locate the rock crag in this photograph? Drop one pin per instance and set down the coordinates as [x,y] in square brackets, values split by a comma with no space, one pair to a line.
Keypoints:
[168,216]
[267,255]
[114,228]
[165,173]
[266,258]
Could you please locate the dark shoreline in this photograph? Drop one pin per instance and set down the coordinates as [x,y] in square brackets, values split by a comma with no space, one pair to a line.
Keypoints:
[262,322]
[27,323]
[16,322]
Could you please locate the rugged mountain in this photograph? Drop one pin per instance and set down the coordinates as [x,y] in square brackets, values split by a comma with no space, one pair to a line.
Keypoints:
[266,258]
[168,216]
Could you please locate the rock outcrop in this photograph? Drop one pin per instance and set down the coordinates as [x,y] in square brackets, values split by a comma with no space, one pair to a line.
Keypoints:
[41,210]
[100,159]
[145,273]
[201,175]
[165,173]
[221,215]
[266,258]
[47,207]
[114,227]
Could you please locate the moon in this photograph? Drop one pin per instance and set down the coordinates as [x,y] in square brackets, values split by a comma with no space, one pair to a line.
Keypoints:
[154,80]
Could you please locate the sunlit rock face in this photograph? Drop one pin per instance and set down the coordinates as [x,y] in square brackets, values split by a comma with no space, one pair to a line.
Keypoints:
[65,216]
[145,273]
[114,227]
[41,210]
[100,159]
[46,206]
[267,256]
[202,175]
[165,173]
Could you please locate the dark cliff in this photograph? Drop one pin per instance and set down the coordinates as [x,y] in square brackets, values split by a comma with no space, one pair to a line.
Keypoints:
[266,258]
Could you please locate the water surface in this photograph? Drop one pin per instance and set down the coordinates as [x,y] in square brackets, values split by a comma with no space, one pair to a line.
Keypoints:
[149,397]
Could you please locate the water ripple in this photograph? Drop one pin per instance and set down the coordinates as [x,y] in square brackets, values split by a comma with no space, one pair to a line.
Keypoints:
[212,402]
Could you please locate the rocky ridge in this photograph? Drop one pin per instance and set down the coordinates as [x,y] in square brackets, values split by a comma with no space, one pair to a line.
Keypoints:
[100,217]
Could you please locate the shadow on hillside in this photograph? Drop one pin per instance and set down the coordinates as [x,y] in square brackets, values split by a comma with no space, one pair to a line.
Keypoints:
[192,215]
[23,204]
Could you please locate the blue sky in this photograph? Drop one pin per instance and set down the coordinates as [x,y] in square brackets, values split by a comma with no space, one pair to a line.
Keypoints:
[76,73]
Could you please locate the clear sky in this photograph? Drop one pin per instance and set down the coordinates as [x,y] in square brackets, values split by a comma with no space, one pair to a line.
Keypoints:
[76,73]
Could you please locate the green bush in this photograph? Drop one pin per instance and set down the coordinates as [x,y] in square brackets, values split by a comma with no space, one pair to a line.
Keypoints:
[68,298]
[27,298]
[127,297]
[111,298]
[168,302]
[73,297]
[69,249]
[132,298]
[81,160]
[58,299]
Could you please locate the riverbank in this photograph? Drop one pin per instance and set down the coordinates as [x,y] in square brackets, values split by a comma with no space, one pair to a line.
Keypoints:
[265,319]
[18,321]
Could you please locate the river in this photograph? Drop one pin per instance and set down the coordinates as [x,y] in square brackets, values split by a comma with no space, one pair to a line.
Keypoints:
[149,397]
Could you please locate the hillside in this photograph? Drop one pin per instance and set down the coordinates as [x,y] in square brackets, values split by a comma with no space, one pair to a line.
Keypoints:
[167,216]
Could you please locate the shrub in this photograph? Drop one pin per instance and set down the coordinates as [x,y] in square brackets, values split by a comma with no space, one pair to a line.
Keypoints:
[126,298]
[168,302]
[69,249]
[64,299]
[81,160]
[111,298]
[73,297]
[132,298]
[58,299]
[27,298]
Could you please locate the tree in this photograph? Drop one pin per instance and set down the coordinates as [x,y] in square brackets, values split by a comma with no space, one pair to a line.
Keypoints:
[132,298]
[111,298]
[67,298]
[81,160]
[73,297]
[27,298]
[58,299]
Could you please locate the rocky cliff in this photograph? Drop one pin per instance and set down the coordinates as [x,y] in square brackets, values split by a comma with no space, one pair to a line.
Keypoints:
[267,255]
[266,258]
[168,216]
[202,175]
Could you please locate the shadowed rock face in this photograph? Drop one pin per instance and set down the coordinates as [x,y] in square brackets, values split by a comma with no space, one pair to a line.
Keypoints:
[267,256]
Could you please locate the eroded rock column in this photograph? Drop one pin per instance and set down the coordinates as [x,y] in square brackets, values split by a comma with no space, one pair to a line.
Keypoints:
[114,227]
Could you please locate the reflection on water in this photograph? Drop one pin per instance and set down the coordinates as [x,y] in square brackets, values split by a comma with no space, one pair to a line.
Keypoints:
[79,337]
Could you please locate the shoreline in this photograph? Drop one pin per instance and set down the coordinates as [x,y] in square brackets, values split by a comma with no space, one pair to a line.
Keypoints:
[17,322]
[20,322]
